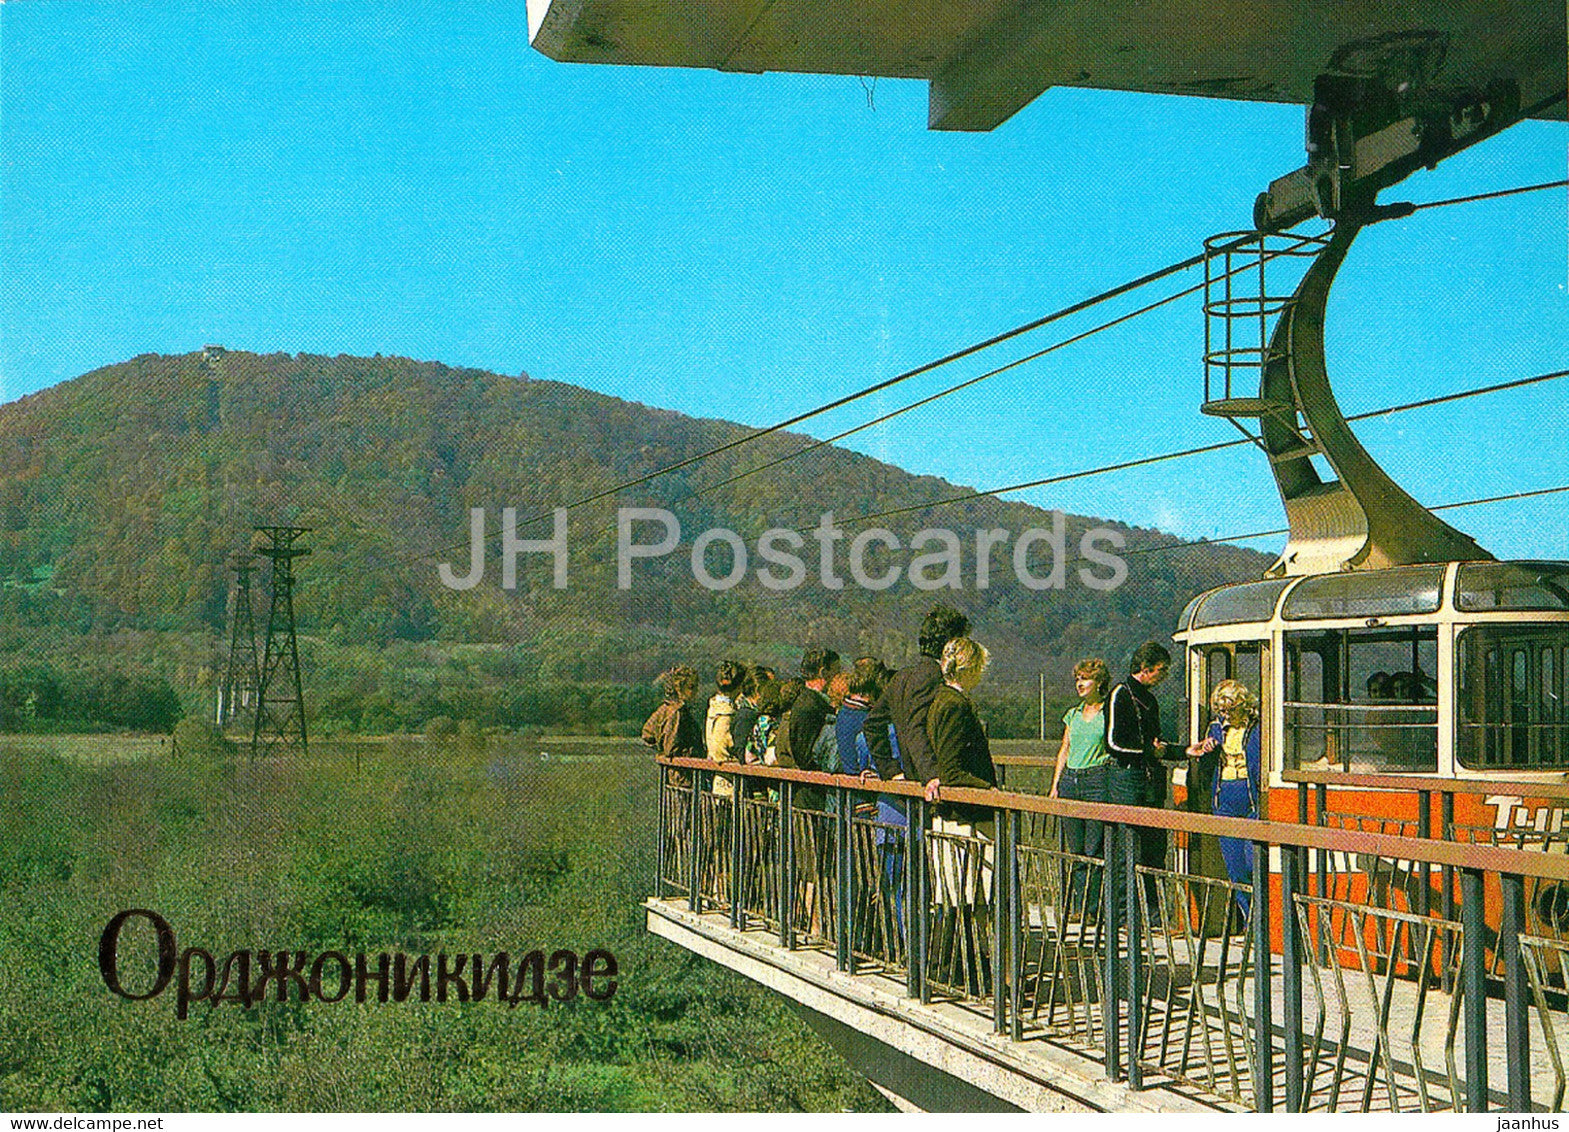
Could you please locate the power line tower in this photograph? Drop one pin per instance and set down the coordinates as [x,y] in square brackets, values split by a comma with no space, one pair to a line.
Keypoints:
[280,697]
[238,695]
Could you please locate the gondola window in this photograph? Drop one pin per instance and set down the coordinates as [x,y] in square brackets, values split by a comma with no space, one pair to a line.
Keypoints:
[1511,693]
[1363,700]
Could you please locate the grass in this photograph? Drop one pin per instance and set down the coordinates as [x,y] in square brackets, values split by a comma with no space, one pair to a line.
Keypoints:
[92,750]
[424,848]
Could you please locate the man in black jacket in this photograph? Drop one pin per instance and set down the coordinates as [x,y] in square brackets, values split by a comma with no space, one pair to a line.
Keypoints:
[908,697]
[1135,774]
[804,721]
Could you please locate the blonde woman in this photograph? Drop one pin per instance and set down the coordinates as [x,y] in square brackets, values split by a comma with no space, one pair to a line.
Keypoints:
[963,834]
[963,756]
[958,740]
[1235,734]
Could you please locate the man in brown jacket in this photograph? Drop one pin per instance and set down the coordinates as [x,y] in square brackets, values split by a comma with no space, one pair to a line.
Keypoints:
[908,697]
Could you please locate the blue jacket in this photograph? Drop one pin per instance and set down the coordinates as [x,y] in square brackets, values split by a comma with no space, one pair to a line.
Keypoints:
[1250,749]
[854,757]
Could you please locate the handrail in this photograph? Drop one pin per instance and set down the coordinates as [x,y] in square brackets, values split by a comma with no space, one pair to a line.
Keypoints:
[1045,761]
[1515,862]
[1557,790]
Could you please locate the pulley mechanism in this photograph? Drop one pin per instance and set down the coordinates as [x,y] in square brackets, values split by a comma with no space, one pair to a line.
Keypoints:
[1378,115]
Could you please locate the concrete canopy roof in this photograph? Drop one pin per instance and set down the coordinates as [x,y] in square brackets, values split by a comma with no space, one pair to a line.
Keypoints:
[987,59]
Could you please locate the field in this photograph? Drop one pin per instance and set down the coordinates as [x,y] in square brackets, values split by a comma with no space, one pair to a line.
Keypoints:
[393,846]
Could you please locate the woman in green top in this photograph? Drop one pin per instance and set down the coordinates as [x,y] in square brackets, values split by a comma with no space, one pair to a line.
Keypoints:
[1081,764]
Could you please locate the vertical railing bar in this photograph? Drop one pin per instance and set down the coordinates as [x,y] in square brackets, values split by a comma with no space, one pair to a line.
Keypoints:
[1424,830]
[737,854]
[664,831]
[1321,805]
[1321,861]
[1447,879]
[694,865]
[1135,963]
[1263,1023]
[1473,971]
[1002,852]
[786,865]
[1112,979]
[1517,1003]
[843,897]
[1291,959]
[912,981]
[920,915]
[1016,931]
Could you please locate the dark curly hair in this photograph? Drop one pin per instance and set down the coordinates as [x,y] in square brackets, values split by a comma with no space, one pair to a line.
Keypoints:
[730,675]
[1151,654]
[940,626]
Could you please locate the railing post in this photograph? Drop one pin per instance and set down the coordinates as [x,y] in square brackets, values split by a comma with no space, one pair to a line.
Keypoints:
[1016,931]
[1517,1002]
[664,831]
[1111,976]
[1321,819]
[916,913]
[695,869]
[1135,956]
[912,985]
[1473,972]
[738,854]
[844,901]
[1321,806]
[1447,879]
[1263,1020]
[786,865]
[1424,830]
[1291,960]
[1002,852]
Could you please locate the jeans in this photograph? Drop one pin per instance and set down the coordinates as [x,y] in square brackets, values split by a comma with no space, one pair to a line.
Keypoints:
[1082,836]
[1142,784]
[1233,799]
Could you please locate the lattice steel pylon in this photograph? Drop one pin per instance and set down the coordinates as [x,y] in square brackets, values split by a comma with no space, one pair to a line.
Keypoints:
[280,699]
[242,679]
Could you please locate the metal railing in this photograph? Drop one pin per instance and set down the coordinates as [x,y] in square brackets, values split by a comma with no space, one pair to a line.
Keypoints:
[1335,979]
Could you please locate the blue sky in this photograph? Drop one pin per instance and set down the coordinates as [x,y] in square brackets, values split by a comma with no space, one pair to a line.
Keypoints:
[355,177]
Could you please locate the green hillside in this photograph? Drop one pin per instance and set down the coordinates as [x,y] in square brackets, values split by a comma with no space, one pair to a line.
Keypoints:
[122,492]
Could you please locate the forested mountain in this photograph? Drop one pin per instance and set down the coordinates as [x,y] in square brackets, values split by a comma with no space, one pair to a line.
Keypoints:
[123,491]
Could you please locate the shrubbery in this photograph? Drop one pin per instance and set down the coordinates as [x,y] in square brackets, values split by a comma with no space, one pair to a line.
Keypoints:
[199,738]
[42,697]
[467,853]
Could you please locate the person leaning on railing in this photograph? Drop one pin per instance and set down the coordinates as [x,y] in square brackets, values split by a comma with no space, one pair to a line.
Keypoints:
[802,723]
[964,835]
[906,699]
[718,735]
[963,756]
[744,721]
[672,730]
[887,813]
